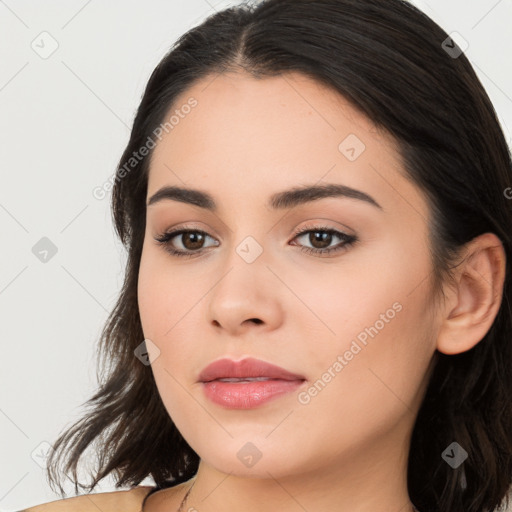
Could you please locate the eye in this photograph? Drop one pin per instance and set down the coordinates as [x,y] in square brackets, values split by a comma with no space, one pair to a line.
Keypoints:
[321,237]
[191,239]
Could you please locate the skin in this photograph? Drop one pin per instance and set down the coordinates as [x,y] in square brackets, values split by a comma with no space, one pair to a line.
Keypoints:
[347,449]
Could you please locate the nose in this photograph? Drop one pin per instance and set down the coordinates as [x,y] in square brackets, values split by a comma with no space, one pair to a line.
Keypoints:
[246,297]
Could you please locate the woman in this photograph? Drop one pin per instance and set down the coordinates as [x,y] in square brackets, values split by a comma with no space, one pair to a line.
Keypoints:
[315,314]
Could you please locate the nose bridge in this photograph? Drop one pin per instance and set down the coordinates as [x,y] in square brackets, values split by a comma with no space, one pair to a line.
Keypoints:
[245,265]
[248,232]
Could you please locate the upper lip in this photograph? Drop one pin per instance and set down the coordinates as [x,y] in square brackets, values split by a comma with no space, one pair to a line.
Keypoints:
[248,367]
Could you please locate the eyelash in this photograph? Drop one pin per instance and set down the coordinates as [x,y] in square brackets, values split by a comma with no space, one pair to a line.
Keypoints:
[347,240]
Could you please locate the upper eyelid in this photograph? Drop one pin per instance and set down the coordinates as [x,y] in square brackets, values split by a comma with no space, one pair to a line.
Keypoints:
[314,224]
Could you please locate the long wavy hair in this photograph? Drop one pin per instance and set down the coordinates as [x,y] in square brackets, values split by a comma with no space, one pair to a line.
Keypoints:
[399,68]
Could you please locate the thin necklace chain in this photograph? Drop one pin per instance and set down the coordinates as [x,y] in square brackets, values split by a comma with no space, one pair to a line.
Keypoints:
[180,509]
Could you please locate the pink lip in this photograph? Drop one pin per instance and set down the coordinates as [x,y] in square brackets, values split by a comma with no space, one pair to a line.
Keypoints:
[244,394]
[249,367]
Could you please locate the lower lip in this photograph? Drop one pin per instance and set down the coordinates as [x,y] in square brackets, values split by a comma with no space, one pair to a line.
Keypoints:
[248,394]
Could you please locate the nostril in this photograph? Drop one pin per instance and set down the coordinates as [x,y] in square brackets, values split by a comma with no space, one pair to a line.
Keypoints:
[256,320]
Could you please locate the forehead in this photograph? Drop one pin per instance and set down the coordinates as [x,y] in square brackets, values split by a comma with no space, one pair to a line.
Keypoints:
[238,108]
[260,136]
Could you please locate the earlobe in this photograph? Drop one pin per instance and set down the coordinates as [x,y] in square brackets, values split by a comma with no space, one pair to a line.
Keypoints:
[476,298]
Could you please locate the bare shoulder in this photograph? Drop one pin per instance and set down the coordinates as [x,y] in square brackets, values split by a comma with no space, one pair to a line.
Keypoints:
[125,501]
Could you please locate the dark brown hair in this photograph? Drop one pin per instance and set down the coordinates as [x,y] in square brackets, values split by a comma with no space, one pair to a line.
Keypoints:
[394,64]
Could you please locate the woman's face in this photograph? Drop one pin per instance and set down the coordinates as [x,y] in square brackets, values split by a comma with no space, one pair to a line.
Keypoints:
[355,323]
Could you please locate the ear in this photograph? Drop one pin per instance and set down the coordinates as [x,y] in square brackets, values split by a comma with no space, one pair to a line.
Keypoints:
[473,302]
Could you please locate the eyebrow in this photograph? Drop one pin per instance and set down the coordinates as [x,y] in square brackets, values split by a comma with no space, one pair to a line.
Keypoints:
[278,201]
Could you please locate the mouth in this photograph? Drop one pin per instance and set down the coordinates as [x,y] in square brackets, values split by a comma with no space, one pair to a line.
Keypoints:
[247,383]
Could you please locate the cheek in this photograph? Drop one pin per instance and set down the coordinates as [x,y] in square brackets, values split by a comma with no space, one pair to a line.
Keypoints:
[375,317]
[384,351]
[168,299]
[149,296]
[160,309]
[161,294]
[369,377]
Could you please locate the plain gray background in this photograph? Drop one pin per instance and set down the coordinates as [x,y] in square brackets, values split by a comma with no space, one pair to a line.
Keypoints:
[64,122]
